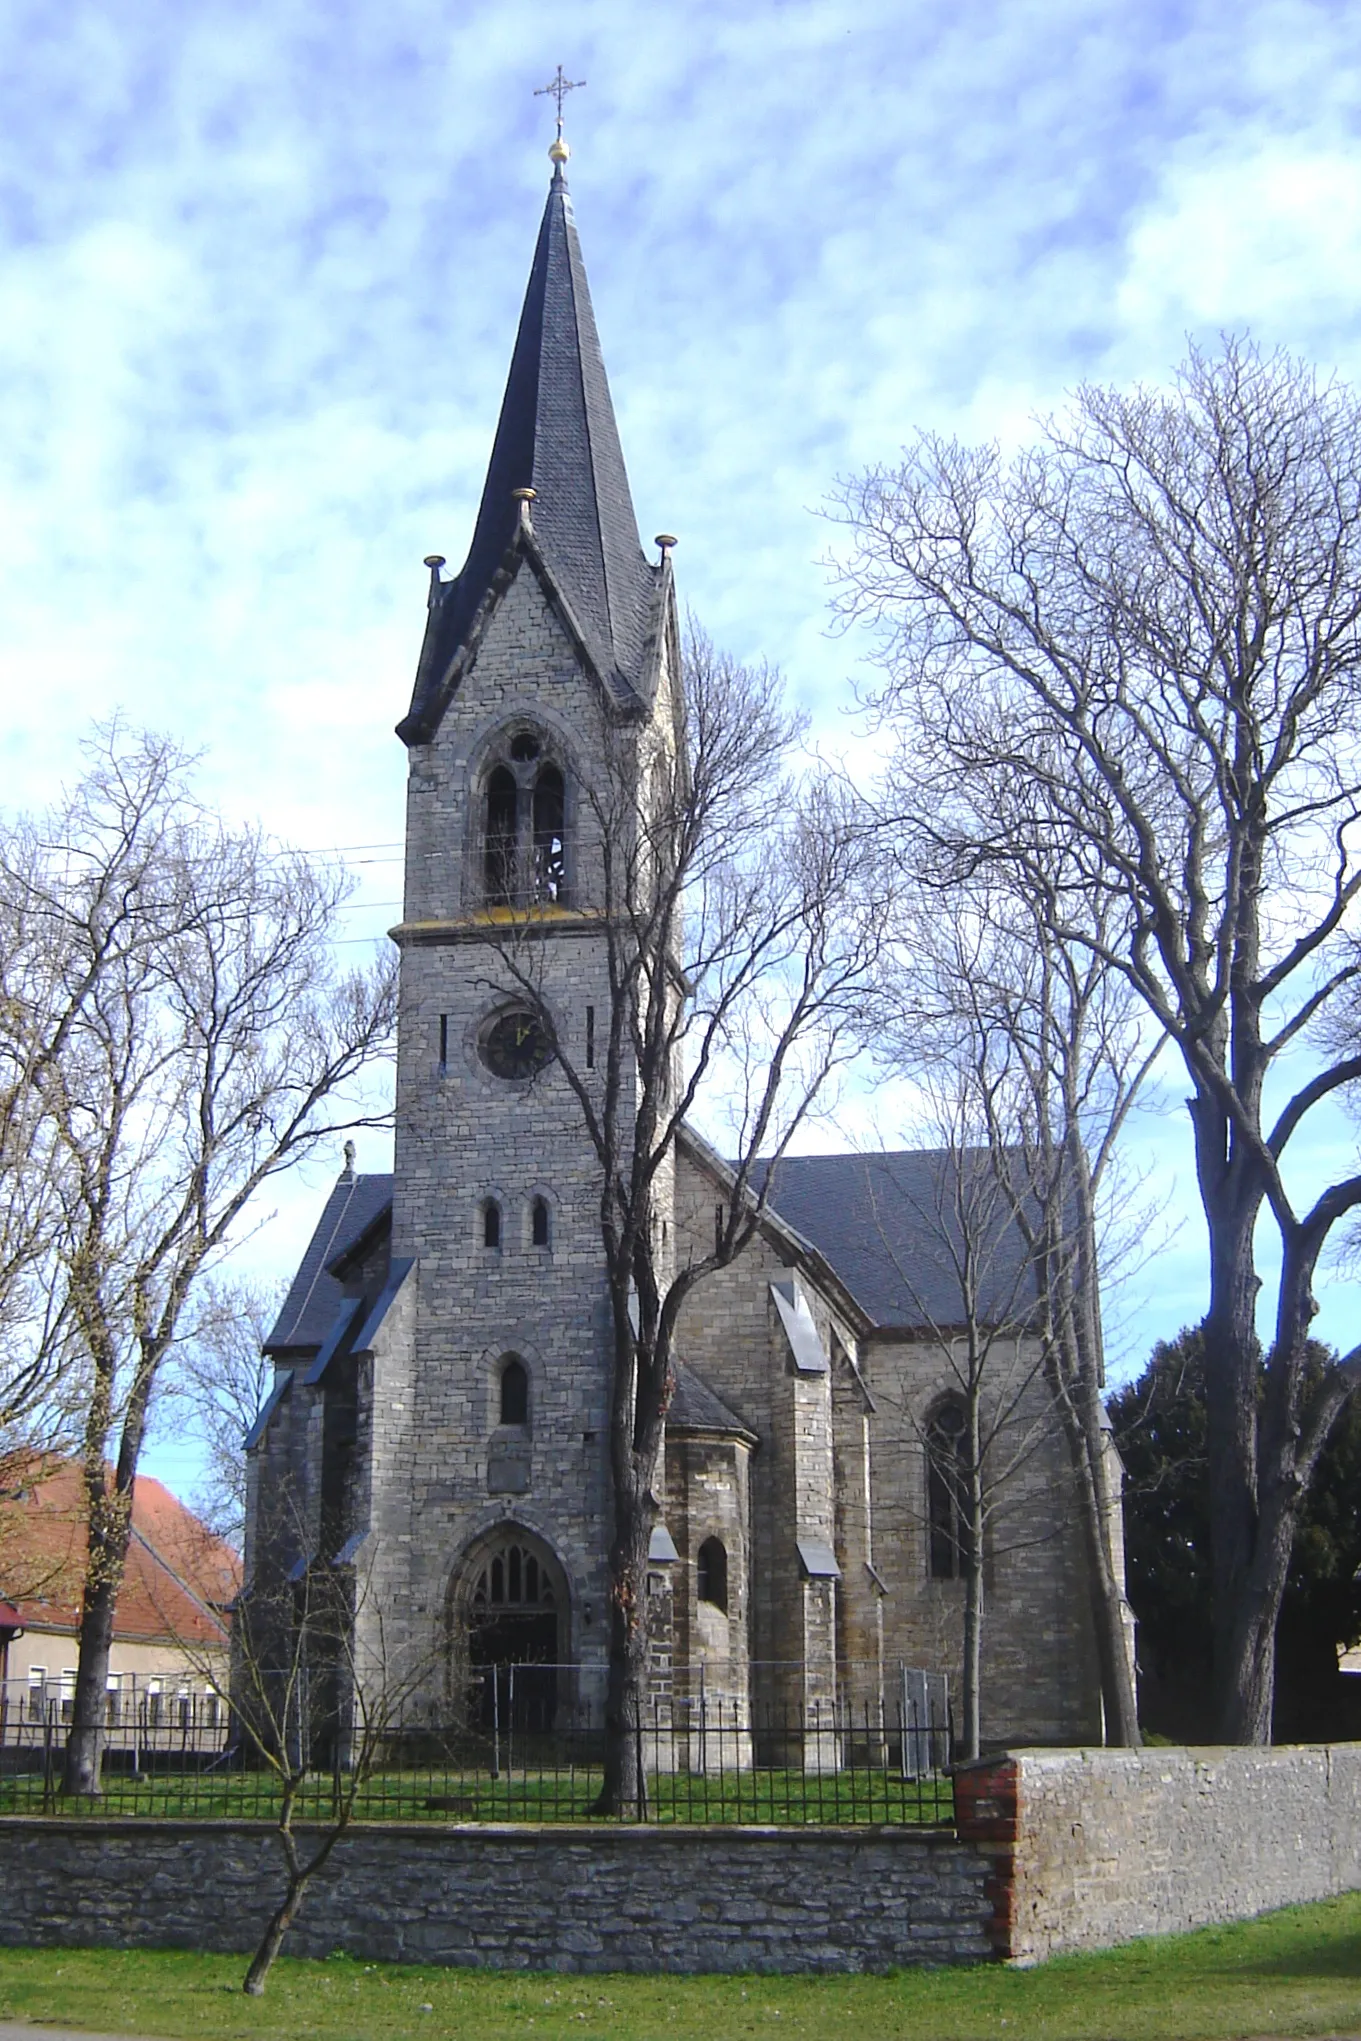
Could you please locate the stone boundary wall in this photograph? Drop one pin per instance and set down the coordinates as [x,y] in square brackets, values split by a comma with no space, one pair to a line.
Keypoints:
[1056,1849]
[641,1899]
[1093,1847]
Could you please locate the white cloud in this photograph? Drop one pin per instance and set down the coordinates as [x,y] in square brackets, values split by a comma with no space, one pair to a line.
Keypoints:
[1271,240]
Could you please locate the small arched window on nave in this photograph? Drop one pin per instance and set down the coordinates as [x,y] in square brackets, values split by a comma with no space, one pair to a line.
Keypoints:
[947,1445]
[514,1391]
[711,1569]
[491,1223]
[538,1223]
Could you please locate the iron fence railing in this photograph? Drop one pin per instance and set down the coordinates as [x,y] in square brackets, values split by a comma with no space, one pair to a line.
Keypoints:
[528,1749]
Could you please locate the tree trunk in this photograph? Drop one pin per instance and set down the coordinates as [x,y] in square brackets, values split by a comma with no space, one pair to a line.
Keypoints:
[973,1590]
[107,1551]
[262,1962]
[1119,1700]
[1098,1502]
[109,1511]
[299,1877]
[624,1786]
[84,1745]
[1245,1707]
[1241,1655]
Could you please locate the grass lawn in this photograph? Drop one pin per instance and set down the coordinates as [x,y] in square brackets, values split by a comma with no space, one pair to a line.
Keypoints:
[1295,1973]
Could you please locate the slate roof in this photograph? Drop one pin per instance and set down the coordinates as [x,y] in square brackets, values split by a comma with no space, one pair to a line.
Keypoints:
[695,1408]
[309,1309]
[178,1579]
[557,435]
[887,1224]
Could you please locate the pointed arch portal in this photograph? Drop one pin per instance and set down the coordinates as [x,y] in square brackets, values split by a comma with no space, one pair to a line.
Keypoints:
[510,1614]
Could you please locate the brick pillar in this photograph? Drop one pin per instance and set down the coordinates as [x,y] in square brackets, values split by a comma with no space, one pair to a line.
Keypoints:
[988,1811]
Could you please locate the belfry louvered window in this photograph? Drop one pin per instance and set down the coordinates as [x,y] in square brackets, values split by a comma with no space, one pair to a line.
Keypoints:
[499,847]
[524,826]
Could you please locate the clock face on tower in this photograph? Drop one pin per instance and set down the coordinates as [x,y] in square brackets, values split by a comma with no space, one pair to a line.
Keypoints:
[515,1045]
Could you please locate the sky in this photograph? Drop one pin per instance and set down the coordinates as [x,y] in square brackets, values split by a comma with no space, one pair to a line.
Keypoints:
[260,268]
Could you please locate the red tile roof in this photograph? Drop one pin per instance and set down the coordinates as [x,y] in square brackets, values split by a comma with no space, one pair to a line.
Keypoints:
[178,1581]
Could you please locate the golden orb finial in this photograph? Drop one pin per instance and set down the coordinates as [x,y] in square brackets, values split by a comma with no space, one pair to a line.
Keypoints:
[558,89]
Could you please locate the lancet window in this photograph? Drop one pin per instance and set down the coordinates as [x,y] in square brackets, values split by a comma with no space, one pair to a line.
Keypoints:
[514,1392]
[947,1445]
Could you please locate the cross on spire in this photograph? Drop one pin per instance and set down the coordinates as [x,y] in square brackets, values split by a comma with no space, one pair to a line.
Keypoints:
[559,88]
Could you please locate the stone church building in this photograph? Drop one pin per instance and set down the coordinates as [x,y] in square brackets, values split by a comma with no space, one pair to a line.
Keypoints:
[438,1420]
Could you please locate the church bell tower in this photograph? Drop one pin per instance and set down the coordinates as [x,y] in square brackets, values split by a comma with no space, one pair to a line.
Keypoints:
[552,649]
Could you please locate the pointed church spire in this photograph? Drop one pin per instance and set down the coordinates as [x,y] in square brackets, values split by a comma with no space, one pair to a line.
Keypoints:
[557,436]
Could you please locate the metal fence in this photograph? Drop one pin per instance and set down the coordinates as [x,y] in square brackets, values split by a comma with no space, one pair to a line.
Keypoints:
[529,1748]
[139,1714]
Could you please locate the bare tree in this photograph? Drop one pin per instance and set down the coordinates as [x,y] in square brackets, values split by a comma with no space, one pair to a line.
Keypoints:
[210,1046]
[218,1379]
[972,1282]
[310,1702]
[45,989]
[1055,1039]
[741,914]
[1141,638]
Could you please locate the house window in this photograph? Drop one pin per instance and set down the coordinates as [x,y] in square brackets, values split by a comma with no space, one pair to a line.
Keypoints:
[947,1447]
[514,1392]
[712,1570]
[538,1222]
[491,1223]
[37,1691]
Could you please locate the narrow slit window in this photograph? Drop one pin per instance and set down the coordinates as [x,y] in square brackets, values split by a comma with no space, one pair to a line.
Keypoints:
[443,1044]
[590,1038]
[538,1222]
[946,1487]
[514,1392]
[491,1224]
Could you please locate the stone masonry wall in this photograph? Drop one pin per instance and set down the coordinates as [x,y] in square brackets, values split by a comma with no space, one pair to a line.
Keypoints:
[1094,1847]
[698,1899]
[1040,1678]
[443,1480]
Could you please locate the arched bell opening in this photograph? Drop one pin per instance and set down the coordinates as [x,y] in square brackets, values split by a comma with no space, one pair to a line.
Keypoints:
[509,1610]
